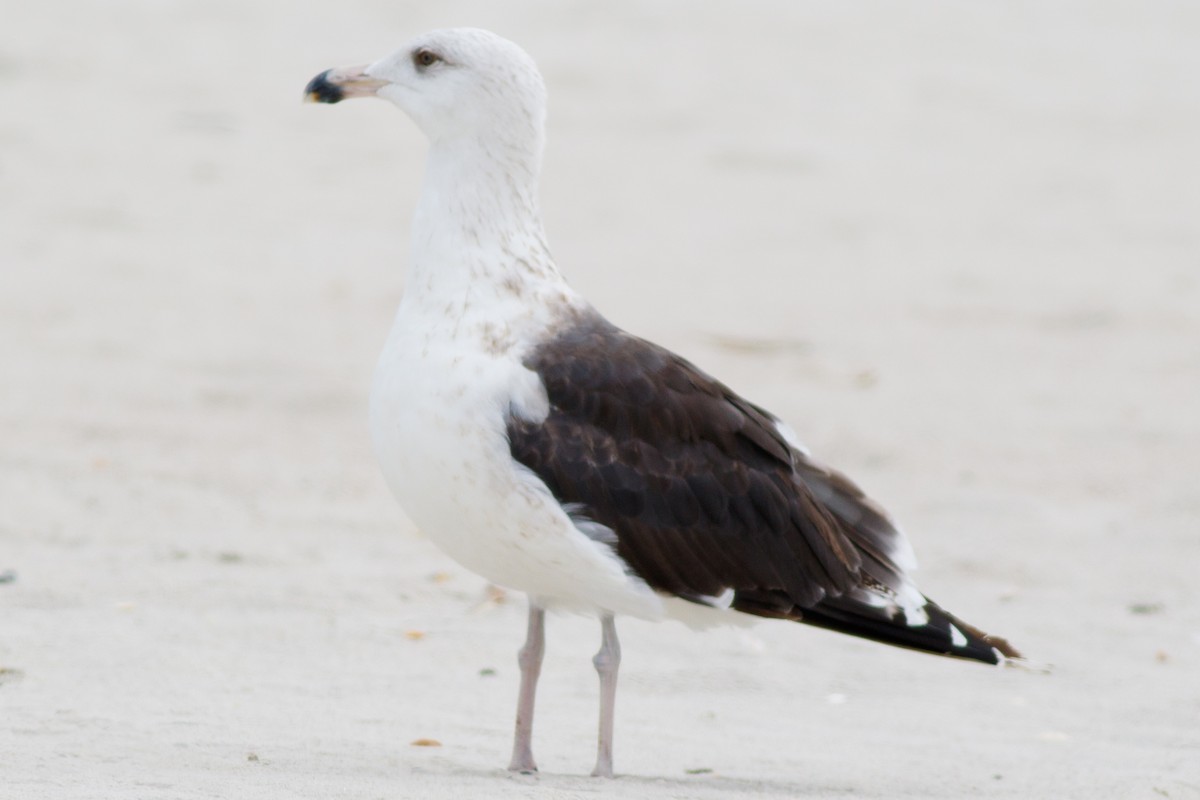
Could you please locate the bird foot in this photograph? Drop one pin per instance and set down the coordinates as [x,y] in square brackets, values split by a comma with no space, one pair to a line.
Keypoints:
[523,766]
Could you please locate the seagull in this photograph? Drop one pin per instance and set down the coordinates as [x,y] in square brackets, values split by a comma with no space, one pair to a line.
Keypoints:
[555,454]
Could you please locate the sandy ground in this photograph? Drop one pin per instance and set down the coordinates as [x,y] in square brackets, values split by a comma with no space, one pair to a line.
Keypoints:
[955,245]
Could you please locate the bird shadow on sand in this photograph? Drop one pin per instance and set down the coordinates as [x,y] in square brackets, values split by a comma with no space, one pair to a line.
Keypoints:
[672,786]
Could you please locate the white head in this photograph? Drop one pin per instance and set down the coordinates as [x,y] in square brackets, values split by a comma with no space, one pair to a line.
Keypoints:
[454,83]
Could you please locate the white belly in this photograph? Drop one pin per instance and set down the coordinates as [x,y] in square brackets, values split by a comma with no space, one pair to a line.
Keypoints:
[438,414]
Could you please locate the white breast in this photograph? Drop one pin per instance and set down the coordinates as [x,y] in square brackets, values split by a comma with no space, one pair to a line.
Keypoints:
[439,405]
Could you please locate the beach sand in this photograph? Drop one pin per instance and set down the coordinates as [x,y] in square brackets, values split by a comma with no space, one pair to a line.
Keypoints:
[956,246]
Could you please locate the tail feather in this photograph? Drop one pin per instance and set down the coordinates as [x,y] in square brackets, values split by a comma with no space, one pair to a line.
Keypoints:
[942,634]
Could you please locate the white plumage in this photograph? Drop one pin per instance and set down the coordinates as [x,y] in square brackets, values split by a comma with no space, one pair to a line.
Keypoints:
[482,291]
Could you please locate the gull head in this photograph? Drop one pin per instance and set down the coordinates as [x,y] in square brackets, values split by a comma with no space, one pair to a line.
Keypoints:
[454,83]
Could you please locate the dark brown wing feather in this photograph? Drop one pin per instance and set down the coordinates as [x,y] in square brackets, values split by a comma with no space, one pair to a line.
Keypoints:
[698,484]
[703,492]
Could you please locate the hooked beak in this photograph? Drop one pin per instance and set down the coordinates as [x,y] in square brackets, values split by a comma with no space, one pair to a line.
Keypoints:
[342,83]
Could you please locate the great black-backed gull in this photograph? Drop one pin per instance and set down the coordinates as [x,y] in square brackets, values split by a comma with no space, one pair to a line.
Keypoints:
[552,453]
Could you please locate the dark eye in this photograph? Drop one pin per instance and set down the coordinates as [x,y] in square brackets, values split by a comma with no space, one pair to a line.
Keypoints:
[425,58]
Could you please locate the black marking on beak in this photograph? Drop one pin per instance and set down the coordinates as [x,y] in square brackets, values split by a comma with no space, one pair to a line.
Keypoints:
[321,90]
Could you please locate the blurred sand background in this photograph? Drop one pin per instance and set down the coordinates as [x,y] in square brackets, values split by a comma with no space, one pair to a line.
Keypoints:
[956,245]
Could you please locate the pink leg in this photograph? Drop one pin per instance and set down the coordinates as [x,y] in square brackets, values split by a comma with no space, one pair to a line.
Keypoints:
[530,660]
[607,661]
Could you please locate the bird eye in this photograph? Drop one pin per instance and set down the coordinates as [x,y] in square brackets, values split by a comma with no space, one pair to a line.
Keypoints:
[425,58]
